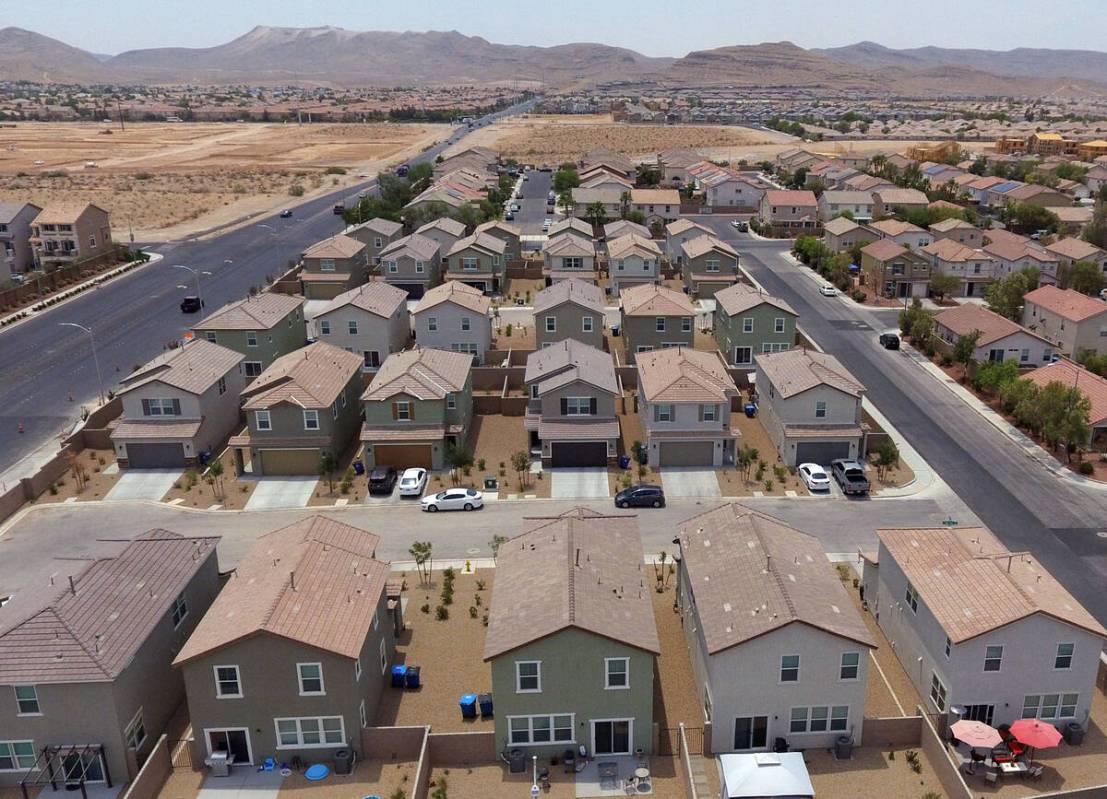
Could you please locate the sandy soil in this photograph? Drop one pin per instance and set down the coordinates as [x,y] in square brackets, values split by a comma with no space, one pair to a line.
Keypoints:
[731,480]
[495,438]
[232,494]
[92,463]
[370,778]
[521,288]
[870,773]
[522,337]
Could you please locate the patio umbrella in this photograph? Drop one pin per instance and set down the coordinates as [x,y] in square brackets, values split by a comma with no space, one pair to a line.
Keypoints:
[976,733]
[1035,733]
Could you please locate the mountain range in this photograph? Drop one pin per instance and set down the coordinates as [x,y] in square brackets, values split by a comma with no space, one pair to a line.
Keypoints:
[330,56]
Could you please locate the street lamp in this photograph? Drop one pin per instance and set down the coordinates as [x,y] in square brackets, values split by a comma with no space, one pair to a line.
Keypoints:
[95,360]
[195,274]
[534,775]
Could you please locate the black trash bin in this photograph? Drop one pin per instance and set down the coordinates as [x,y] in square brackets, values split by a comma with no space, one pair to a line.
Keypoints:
[1073,734]
[485,702]
[411,679]
[516,761]
[344,761]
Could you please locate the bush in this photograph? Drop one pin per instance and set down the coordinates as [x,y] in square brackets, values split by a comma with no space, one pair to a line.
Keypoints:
[947,359]
[1087,467]
[472,612]
[335,170]
[296,190]
[426,608]
[858,295]
[441,613]
[480,464]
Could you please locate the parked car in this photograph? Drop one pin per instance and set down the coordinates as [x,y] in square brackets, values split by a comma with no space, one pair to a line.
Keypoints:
[453,499]
[413,482]
[814,477]
[850,476]
[828,290]
[382,480]
[191,304]
[339,209]
[546,225]
[286,213]
[889,341]
[741,225]
[640,496]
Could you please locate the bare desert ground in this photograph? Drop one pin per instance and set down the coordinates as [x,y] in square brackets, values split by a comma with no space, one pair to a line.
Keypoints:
[173,180]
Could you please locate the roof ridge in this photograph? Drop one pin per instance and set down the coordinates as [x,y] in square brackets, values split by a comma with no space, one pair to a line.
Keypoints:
[93,656]
[755,523]
[572,581]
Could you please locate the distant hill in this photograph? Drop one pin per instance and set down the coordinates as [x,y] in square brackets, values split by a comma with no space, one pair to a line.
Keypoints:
[771,64]
[29,56]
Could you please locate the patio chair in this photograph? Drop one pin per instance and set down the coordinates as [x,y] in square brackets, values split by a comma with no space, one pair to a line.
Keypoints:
[1035,772]
[991,777]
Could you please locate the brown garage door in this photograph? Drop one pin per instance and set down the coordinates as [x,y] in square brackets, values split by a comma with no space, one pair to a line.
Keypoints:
[687,453]
[579,453]
[403,456]
[155,455]
[290,461]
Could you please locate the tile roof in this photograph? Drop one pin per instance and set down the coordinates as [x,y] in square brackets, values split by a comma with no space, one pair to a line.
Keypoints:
[608,195]
[1075,249]
[386,227]
[1067,303]
[895,227]
[421,373]
[900,197]
[258,312]
[10,210]
[92,632]
[64,213]
[377,298]
[653,300]
[416,246]
[499,225]
[683,224]
[316,582]
[193,367]
[970,317]
[840,226]
[569,360]
[569,224]
[570,244]
[620,227]
[456,292]
[953,251]
[796,370]
[681,374]
[946,225]
[311,377]
[654,197]
[338,246]
[582,429]
[446,225]
[741,297]
[848,197]
[480,241]
[1073,375]
[632,244]
[154,428]
[701,245]
[752,574]
[581,292]
[1014,248]
[884,249]
[972,584]
[578,571]
[790,197]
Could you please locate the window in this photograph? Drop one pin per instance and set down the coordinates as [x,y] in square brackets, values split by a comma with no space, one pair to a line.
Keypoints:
[161,407]
[252,368]
[262,420]
[534,391]
[659,324]
[587,324]
[993,657]
[420,267]
[222,386]
[686,324]
[372,359]
[850,665]
[819,719]
[210,336]
[92,240]
[334,406]
[789,668]
[180,610]
[324,327]
[311,679]
[743,356]
[228,683]
[1050,706]
[466,323]
[747,324]
[778,324]
[616,673]
[937,692]
[384,657]
[662,412]
[620,266]
[1024,355]
[949,647]
[432,324]
[912,598]
[361,715]
[326,264]
[712,265]
[392,267]
[308,732]
[135,732]
[528,676]
[774,347]
[578,406]
[839,717]
[311,420]
[26,699]
[351,327]
[17,755]
[468,347]
[378,242]
[820,410]
[451,401]
[402,411]
[799,720]
[574,262]
[251,339]
[551,324]
[469,264]
[541,729]
[357,669]
[1063,658]
[709,413]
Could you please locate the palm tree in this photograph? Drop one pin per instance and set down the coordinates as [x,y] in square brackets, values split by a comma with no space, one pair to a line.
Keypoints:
[596,214]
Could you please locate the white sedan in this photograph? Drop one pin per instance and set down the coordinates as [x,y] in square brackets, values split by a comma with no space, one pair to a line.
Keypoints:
[453,499]
[828,290]
[814,477]
[413,482]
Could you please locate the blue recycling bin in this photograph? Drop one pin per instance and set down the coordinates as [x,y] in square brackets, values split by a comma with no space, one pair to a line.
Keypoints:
[624,461]
[399,675]
[485,702]
[751,410]
[411,679]
[468,705]
[359,467]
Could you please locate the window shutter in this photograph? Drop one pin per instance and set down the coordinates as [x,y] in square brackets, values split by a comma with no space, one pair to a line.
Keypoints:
[395,411]
[411,411]
[564,406]
[146,407]
[176,407]
[592,406]
[701,413]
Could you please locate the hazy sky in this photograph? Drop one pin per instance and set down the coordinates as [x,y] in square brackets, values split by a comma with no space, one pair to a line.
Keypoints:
[653,27]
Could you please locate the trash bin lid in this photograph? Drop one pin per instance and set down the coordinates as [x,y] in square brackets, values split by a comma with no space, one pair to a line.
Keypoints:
[399,669]
[468,699]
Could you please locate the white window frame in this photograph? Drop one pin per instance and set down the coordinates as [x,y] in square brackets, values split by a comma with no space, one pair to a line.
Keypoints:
[685,324]
[659,324]
[391,267]
[135,724]
[210,336]
[300,679]
[28,761]
[988,658]
[779,324]
[711,265]
[384,657]
[709,412]
[324,327]
[551,324]
[361,715]
[357,669]
[432,324]
[252,368]
[326,265]
[939,694]
[19,702]
[574,406]
[587,324]
[1057,656]
[299,722]
[262,420]
[420,267]
[351,327]
[780,673]
[310,414]
[537,677]
[842,666]
[179,611]
[747,324]
[572,726]
[820,409]
[218,682]
[451,401]
[747,361]
[607,674]
[663,412]
[403,410]
[911,597]
[251,338]
[1058,706]
[466,324]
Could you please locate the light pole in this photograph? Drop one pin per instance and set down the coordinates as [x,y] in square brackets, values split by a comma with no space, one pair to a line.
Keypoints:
[95,359]
[534,776]
[195,274]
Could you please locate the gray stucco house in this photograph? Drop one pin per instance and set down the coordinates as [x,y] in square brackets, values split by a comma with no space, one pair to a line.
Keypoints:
[371,320]
[444,231]
[655,317]
[412,264]
[632,260]
[476,260]
[749,322]
[16,253]
[454,316]
[569,309]
[376,234]
[332,266]
[709,265]
[262,327]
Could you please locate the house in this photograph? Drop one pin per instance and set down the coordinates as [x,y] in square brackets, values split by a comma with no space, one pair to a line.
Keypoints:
[571,638]
[333,266]
[1073,219]
[788,211]
[892,270]
[66,233]
[262,327]
[622,227]
[710,265]
[675,163]
[569,309]
[676,233]
[613,161]
[1037,194]
[865,182]
[658,206]
[842,235]
[982,629]
[412,264]
[444,231]
[958,230]
[291,659]
[749,321]
[1087,383]
[810,406]
[600,178]
[16,253]
[859,204]
[776,646]
[376,234]
[297,410]
[632,260]
[86,656]
[419,403]
[179,405]
[684,406]
[476,260]
[570,414]
[567,226]
[1096,178]
[569,255]
[1000,339]
[654,317]
[1012,253]
[1073,321]
[585,200]
[1070,251]
[903,233]
[975,268]
[979,188]
[371,320]
[727,191]
[454,316]
[505,232]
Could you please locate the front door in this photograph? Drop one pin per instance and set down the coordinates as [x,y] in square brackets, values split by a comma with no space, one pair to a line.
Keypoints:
[611,737]
[982,713]
[751,732]
[904,289]
[235,741]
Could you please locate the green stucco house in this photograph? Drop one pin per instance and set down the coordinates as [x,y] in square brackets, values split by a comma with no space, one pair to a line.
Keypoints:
[749,322]
[262,327]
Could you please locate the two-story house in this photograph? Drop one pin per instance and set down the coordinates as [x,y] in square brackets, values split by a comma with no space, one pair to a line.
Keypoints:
[677,233]
[507,233]
[810,406]
[887,202]
[842,234]
[570,414]
[419,402]
[571,638]
[1074,322]
[1013,253]
[66,233]
[859,204]
[776,646]
[654,317]
[902,233]
[709,265]
[1071,251]
[177,406]
[262,327]
[789,211]
[892,270]
[587,197]
[412,264]
[446,232]
[371,320]
[476,260]
[658,207]
[86,681]
[16,253]
[291,659]
[569,255]
[998,338]
[569,225]
[984,633]
[974,268]
[749,322]
[684,406]
[332,266]
[302,406]
[569,309]
[632,260]
[454,316]
[622,227]
[376,234]
[959,230]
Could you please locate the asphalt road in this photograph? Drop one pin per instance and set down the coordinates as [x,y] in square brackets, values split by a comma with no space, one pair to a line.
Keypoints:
[532,204]
[135,316]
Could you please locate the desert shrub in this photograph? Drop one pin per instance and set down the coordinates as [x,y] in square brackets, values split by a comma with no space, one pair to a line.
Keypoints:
[441,613]
[335,170]
[1087,467]
[472,612]
[296,190]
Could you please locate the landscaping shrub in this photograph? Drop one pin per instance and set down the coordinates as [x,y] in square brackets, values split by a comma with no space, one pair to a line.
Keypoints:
[441,613]
[1087,467]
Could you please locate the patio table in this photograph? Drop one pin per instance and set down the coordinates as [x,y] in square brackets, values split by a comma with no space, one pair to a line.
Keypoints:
[1012,767]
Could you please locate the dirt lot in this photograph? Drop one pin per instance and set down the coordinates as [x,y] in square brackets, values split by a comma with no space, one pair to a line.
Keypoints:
[495,438]
[522,288]
[870,772]
[370,778]
[522,337]
[170,180]
[232,494]
[92,463]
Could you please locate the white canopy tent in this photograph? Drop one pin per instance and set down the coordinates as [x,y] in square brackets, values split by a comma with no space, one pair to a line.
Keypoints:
[765,776]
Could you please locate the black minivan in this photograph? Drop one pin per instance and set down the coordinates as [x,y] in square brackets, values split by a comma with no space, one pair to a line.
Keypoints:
[382,480]
[640,496]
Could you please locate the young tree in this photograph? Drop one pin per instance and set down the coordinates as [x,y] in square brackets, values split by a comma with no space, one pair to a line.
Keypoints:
[943,285]
[1030,217]
[1065,416]
[963,351]
[520,462]
[922,330]
[327,465]
[458,456]
[215,471]
[887,457]
[1095,232]
[495,544]
[1005,296]
[420,552]
[1082,276]
[566,178]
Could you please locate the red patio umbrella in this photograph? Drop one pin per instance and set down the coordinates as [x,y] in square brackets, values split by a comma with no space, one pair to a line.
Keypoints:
[976,733]
[1036,733]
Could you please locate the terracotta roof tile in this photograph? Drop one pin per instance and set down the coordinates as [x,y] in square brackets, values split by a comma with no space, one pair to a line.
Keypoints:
[1071,374]
[620,227]
[377,298]
[701,245]
[1067,303]
[965,319]
[580,292]
[311,377]
[416,246]
[791,197]
[260,312]
[653,300]
[568,225]
[632,244]
[796,370]
[194,367]
[420,372]
[446,225]
[741,297]
[338,246]
[570,244]
[64,213]
[1075,249]
[456,292]
[569,360]
[680,374]
[840,226]
[884,249]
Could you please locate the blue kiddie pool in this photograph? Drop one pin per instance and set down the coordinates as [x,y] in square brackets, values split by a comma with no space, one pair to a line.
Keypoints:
[316,772]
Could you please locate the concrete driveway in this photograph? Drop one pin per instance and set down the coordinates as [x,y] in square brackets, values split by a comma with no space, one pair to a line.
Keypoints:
[579,483]
[689,481]
[144,484]
[281,492]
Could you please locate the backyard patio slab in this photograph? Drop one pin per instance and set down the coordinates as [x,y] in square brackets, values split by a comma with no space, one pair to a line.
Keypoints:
[282,492]
[144,484]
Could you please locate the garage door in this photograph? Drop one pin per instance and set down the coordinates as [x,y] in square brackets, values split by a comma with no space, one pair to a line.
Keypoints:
[414,290]
[579,453]
[155,456]
[821,452]
[687,453]
[403,456]
[290,461]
